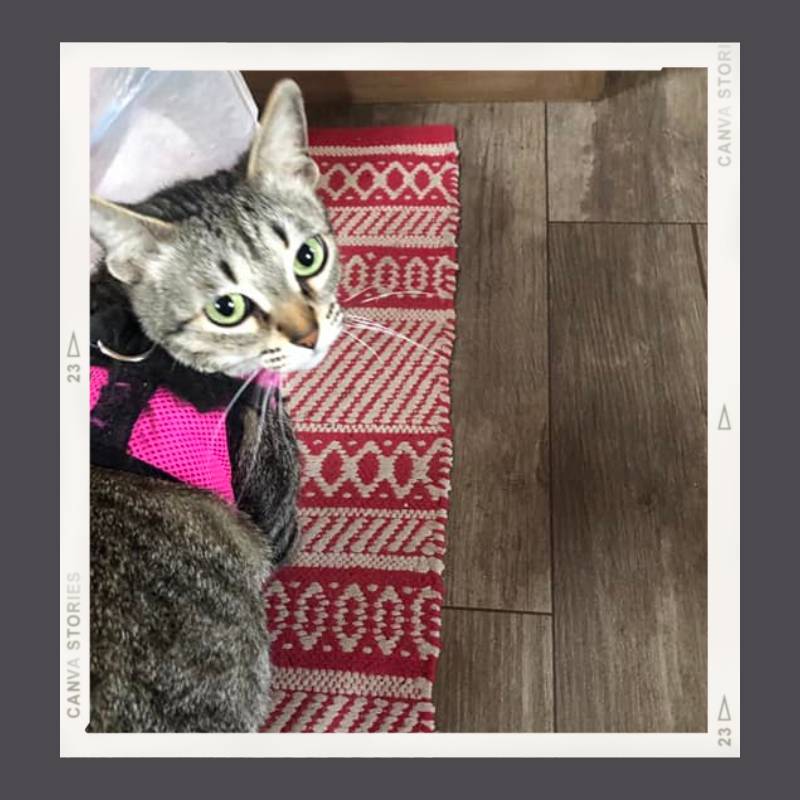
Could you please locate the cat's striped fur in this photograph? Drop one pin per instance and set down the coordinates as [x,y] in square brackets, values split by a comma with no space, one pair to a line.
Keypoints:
[178,624]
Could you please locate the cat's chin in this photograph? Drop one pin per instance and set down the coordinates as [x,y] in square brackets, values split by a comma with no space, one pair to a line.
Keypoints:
[315,360]
[305,362]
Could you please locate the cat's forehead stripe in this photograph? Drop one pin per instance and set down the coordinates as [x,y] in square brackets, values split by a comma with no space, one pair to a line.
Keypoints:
[245,236]
[227,271]
[280,232]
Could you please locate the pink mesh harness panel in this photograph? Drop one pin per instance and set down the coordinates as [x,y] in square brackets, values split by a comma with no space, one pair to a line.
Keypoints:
[98,378]
[176,438]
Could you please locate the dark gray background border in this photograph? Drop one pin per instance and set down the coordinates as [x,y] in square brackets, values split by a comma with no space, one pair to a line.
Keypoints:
[31,339]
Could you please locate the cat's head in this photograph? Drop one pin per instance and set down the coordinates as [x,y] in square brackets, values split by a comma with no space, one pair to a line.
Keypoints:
[237,271]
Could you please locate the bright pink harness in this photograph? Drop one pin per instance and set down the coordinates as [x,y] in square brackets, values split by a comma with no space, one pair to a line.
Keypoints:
[171,435]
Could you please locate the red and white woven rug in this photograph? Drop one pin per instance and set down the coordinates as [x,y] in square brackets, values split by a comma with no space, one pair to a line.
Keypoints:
[355,620]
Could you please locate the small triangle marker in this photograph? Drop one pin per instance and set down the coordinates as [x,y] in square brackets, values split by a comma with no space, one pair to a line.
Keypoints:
[724,420]
[72,349]
[724,711]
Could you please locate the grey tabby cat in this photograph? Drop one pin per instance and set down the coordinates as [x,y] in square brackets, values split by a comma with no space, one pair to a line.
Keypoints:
[213,279]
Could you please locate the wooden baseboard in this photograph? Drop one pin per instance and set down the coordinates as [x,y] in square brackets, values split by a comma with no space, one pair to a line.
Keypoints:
[434,87]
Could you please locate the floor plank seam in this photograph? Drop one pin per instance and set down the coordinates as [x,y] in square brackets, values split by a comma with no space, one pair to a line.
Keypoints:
[699,254]
[550,429]
[523,612]
[691,222]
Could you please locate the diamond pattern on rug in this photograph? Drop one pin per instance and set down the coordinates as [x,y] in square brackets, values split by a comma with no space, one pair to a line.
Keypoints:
[355,620]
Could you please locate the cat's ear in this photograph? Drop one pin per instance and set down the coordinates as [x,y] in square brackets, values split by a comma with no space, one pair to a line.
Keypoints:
[128,238]
[280,147]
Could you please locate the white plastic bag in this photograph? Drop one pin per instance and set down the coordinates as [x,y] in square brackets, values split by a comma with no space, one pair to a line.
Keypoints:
[151,128]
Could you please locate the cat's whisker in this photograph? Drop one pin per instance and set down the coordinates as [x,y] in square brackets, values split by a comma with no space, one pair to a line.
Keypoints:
[223,419]
[262,417]
[363,319]
[377,328]
[361,342]
[380,326]
[384,295]
[398,294]
[357,294]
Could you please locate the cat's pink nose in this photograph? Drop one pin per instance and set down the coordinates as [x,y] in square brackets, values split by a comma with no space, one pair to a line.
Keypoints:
[308,339]
[298,323]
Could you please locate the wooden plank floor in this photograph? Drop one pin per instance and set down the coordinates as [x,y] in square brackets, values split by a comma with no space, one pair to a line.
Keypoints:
[629,477]
[576,566]
[639,155]
[495,693]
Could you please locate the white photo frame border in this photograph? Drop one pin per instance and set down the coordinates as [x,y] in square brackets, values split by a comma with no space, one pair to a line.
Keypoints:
[723,64]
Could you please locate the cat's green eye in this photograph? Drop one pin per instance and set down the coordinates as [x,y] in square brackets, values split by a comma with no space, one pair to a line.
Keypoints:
[311,257]
[229,309]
